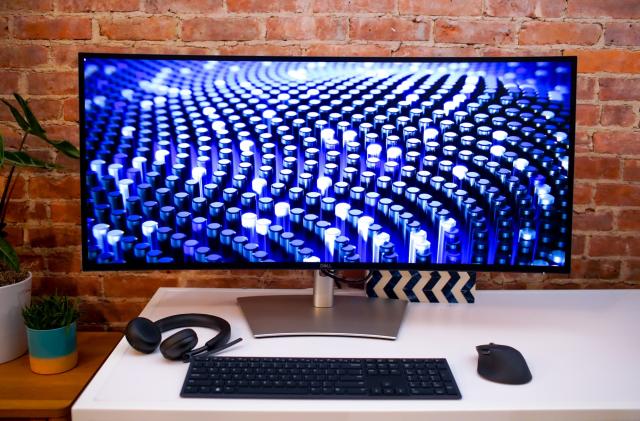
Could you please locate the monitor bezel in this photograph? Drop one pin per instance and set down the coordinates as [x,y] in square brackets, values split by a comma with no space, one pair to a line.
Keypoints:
[462,267]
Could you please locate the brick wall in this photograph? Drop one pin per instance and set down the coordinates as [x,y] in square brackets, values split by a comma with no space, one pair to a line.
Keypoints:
[39,40]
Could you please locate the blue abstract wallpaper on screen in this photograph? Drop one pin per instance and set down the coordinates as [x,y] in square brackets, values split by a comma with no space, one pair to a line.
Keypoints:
[209,162]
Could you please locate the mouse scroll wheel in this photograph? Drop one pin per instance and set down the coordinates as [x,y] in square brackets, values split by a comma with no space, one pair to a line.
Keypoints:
[485,351]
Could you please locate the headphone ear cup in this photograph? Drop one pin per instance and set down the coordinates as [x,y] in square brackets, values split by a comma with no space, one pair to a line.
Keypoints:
[178,344]
[143,335]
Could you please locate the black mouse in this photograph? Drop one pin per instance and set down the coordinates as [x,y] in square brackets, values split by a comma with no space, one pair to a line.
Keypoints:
[502,364]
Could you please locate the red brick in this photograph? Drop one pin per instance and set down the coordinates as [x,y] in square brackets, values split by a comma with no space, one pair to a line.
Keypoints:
[65,260]
[595,268]
[427,51]
[618,115]
[587,114]
[624,9]
[389,29]
[183,6]
[520,51]
[624,89]
[360,50]
[618,194]
[31,261]
[97,5]
[261,6]
[586,88]
[560,33]
[54,236]
[53,83]
[220,29]
[141,286]
[578,244]
[614,61]
[606,245]
[631,169]
[474,32]
[353,6]
[261,50]
[68,132]
[20,211]
[582,194]
[65,211]
[9,82]
[26,5]
[617,142]
[105,310]
[597,167]
[591,220]
[631,270]
[71,284]
[23,56]
[15,236]
[583,141]
[629,220]
[622,34]
[70,110]
[4,27]
[67,54]
[226,279]
[633,246]
[440,7]
[306,28]
[20,185]
[48,186]
[39,27]
[154,28]
[528,8]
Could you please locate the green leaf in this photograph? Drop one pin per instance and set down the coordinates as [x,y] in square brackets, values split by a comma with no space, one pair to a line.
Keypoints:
[8,255]
[63,146]
[22,159]
[34,124]
[17,116]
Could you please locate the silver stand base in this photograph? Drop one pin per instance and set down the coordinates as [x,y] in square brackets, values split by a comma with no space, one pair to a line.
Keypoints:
[295,315]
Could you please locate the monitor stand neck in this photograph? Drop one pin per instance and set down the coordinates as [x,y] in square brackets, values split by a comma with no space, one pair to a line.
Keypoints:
[322,290]
[323,314]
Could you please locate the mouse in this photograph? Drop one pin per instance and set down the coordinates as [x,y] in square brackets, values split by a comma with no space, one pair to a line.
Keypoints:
[502,364]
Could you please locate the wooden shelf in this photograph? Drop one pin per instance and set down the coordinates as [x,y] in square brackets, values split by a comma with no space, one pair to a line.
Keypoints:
[24,394]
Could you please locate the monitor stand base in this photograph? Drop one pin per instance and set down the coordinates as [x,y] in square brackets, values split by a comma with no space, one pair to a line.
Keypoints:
[323,314]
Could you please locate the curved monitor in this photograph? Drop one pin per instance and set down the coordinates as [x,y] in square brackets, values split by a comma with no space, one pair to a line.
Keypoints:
[265,162]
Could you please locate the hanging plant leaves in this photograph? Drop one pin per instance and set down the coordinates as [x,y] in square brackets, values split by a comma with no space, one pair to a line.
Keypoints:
[22,159]
[8,255]
[18,117]
[34,124]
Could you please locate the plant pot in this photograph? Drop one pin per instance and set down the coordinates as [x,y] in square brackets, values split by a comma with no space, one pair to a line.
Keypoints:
[13,336]
[54,350]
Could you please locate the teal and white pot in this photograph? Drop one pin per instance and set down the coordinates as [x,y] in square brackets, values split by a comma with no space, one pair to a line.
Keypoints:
[53,351]
[13,336]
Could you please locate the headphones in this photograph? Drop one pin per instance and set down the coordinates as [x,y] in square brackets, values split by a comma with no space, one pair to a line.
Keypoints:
[144,335]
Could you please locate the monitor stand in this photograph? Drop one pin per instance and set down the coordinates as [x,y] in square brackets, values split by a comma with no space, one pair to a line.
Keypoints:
[323,314]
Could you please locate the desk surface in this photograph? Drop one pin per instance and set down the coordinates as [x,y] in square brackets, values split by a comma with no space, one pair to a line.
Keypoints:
[24,394]
[582,347]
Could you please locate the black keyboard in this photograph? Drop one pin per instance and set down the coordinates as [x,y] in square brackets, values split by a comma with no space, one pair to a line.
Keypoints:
[319,378]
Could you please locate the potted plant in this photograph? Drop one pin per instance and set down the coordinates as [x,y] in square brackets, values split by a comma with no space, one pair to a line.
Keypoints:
[51,334]
[15,283]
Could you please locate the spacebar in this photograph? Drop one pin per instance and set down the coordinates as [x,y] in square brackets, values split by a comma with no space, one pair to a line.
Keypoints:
[271,391]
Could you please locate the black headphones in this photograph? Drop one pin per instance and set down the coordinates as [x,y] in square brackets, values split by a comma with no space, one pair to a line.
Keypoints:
[145,335]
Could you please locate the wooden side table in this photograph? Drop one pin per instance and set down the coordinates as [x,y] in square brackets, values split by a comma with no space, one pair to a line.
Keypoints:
[24,394]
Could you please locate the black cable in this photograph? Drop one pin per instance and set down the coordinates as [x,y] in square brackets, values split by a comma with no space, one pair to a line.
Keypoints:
[338,279]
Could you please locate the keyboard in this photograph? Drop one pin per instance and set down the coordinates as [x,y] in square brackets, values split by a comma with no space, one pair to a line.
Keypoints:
[319,378]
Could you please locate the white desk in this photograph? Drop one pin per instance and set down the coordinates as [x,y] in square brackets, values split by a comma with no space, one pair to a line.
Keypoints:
[583,349]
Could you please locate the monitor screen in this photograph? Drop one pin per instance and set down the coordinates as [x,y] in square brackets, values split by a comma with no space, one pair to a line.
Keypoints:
[265,162]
